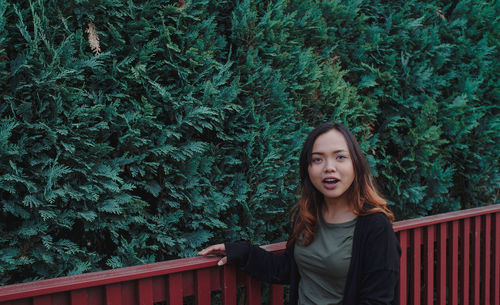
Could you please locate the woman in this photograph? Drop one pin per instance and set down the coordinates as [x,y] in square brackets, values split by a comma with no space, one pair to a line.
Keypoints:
[342,249]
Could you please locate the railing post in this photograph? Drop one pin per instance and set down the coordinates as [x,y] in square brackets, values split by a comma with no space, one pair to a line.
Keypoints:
[417,265]
[466,258]
[79,297]
[496,276]
[146,291]
[443,233]
[253,291]
[42,300]
[403,273]
[175,291]
[429,265]
[477,260]
[229,284]
[454,263]
[276,295]
[487,261]
[114,294]
[202,291]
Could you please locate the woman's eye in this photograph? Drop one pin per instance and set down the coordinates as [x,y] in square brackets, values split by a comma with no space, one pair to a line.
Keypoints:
[316,160]
[340,157]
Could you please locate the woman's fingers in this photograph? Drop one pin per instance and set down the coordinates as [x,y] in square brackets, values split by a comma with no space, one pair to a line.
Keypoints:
[218,249]
[223,261]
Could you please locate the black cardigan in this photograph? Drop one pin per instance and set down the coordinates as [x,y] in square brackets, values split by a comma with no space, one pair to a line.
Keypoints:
[373,276]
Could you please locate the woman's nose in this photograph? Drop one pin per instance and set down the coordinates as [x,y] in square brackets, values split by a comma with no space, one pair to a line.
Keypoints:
[330,166]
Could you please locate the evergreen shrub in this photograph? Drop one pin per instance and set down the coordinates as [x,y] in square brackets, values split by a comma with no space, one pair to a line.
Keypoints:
[139,131]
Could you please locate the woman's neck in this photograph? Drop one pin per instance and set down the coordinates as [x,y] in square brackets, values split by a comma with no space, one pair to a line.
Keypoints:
[338,211]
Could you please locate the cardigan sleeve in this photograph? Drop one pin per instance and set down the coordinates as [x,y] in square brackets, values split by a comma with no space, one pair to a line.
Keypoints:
[260,264]
[380,278]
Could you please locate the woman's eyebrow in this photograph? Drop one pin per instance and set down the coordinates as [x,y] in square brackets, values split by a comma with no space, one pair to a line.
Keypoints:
[335,152]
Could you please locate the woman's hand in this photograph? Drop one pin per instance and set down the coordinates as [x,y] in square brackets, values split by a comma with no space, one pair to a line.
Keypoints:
[218,250]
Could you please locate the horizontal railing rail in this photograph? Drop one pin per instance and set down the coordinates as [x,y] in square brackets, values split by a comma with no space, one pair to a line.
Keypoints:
[451,258]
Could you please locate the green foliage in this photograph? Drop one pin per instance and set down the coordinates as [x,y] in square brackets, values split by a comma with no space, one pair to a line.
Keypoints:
[183,126]
[432,68]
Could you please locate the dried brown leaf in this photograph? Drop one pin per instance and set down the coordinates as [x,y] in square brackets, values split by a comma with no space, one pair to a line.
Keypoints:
[93,39]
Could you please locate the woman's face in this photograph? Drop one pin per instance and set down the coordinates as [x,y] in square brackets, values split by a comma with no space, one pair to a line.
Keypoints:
[331,170]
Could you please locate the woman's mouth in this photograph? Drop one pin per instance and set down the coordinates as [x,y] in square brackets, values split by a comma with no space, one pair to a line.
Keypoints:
[330,182]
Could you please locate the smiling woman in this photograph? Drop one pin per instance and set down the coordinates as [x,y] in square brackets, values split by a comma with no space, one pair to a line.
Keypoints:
[342,249]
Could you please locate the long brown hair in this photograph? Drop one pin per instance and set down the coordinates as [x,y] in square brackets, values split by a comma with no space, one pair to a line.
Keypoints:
[362,193]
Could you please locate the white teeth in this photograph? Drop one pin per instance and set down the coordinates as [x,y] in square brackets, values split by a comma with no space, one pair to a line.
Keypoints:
[331,180]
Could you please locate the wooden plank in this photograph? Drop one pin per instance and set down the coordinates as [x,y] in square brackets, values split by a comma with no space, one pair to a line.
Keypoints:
[253,291]
[496,256]
[202,292]
[466,262]
[229,284]
[216,278]
[188,283]
[429,265]
[30,302]
[276,295]
[487,259]
[476,265]
[130,293]
[42,300]
[403,291]
[175,289]
[79,297]
[95,296]
[417,265]
[454,262]
[160,292]
[443,233]
[114,294]
[64,298]
[146,291]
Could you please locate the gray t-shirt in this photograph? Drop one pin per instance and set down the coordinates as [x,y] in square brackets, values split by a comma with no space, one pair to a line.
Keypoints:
[323,265]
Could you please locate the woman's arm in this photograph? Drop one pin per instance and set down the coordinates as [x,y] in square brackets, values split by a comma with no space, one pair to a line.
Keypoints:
[257,262]
[260,264]
[380,258]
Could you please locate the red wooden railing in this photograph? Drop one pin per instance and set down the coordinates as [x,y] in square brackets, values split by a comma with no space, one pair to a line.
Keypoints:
[451,258]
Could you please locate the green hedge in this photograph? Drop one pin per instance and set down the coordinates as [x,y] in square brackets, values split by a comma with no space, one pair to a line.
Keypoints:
[182,124]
